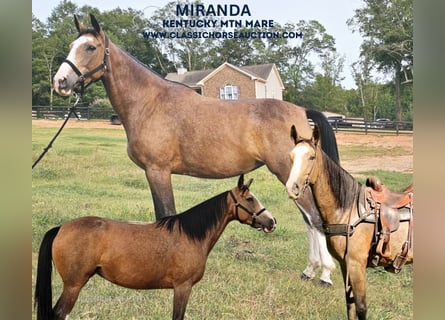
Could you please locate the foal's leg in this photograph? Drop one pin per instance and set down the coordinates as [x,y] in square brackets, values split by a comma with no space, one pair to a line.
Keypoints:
[66,301]
[180,299]
[161,191]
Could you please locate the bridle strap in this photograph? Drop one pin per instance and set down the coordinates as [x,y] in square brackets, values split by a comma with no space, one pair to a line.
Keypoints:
[252,214]
[82,77]
[308,178]
[73,66]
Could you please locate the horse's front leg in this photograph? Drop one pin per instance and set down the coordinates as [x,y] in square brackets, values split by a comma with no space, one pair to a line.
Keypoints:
[327,262]
[357,276]
[355,289]
[318,251]
[160,184]
[180,299]
[314,258]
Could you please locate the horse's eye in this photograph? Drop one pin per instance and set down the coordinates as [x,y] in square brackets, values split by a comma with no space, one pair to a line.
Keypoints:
[91,48]
[312,158]
[249,199]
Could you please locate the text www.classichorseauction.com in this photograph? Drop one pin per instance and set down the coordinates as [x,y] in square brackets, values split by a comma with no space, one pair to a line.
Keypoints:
[210,20]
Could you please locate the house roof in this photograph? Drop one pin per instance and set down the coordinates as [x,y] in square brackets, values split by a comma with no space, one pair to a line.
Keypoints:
[190,78]
[197,78]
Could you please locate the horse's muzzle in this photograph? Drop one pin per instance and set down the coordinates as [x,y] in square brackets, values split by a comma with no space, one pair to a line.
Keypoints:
[293,191]
[270,227]
[61,86]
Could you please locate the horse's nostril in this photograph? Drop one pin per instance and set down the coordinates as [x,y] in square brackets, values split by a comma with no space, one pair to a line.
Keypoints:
[62,83]
[272,224]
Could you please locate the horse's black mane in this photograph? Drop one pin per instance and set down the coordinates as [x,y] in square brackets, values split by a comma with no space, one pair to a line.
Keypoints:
[343,185]
[197,221]
[88,31]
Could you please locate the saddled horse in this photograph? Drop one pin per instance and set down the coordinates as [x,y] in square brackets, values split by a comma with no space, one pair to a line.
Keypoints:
[353,217]
[171,129]
[170,253]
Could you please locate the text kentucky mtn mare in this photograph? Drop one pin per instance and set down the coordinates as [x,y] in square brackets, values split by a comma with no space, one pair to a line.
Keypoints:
[170,253]
[171,129]
[354,227]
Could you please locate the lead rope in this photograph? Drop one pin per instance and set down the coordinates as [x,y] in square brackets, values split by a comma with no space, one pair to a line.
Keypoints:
[50,144]
[348,288]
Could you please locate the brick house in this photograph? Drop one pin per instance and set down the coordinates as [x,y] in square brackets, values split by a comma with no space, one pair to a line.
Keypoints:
[230,82]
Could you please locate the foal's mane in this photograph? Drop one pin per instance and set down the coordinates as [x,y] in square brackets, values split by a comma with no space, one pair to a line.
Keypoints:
[343,185]
[197,221]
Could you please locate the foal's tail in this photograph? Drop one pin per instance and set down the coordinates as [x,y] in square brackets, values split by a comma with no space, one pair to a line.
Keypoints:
[328,141]
[43,292]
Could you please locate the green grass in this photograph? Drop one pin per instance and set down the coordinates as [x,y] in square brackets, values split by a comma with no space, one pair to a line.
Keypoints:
[249,275]
[352,152]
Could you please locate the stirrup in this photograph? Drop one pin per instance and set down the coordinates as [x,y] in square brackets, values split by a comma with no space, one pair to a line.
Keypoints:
[383,249]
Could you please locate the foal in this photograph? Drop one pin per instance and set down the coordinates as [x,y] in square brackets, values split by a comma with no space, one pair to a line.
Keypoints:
[170,253]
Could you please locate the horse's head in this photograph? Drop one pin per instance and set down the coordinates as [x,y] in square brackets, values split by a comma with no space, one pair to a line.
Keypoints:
[86,61]
[249,210]
[303,157]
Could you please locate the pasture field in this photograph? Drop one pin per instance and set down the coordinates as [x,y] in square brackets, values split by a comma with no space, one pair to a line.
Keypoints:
[249,275]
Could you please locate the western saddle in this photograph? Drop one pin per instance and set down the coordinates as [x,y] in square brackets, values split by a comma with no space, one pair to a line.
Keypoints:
[390,208]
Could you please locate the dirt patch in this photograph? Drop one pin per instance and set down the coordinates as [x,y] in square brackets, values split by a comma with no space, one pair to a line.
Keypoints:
[400,163]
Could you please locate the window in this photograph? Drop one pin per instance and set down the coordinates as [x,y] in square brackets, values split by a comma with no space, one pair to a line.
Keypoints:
[228,92]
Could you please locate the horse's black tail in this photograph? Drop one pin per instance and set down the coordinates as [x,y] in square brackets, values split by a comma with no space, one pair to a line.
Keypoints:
[43,291]
[328,141]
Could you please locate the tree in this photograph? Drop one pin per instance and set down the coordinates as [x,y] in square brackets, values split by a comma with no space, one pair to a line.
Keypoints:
[50,45]
[188,52]
[387,28]
[299,69]
[47,54]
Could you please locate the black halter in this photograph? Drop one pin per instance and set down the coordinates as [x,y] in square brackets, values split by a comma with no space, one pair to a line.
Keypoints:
[82,77]
[252,214]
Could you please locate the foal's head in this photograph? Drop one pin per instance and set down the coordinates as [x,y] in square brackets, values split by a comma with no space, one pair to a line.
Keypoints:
[86,60]
[303,157]
[248,209]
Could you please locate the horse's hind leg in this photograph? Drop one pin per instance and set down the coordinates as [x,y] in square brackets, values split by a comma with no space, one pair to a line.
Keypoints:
[66,301]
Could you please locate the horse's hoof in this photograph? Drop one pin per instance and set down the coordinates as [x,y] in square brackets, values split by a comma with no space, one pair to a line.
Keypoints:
[305,277]
[325,284]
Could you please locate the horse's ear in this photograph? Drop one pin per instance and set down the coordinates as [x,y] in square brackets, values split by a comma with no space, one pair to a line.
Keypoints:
[316,135]
[79,25]
[247,185]
[241,181]
[94,23]
[293,133]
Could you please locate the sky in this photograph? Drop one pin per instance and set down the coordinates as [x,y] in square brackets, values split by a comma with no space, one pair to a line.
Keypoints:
[331,14]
